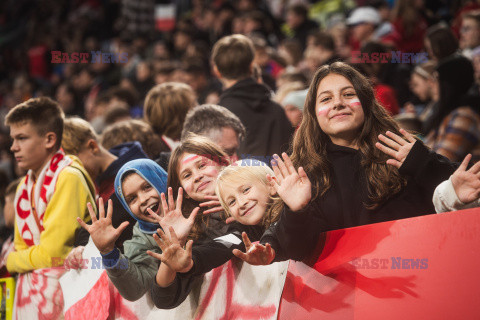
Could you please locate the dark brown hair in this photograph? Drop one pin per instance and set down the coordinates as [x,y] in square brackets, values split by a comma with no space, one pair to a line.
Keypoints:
[311,153]
[442,41]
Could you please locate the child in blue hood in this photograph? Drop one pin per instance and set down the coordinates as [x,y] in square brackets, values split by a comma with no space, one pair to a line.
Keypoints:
[138,185]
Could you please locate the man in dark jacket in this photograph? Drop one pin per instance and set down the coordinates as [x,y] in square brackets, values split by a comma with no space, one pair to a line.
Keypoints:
[268,129]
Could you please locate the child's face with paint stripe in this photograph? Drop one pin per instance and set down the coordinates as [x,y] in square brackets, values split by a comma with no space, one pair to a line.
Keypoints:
[338,109]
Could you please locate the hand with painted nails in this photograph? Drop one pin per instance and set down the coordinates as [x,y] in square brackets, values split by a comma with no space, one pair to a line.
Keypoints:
[173,217]
[293,187]
[213,203]
[101,230]
[173,254]
[255,254]
[396,147]
[467,182]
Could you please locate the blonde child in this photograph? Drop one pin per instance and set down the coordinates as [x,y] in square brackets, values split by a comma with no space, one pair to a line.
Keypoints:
[246,195]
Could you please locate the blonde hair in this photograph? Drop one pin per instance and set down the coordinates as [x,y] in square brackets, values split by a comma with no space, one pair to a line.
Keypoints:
[166,107]
[76,133]
[240,172]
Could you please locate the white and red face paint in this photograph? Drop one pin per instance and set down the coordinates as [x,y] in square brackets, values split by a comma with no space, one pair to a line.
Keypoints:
[323,110]
[355,103]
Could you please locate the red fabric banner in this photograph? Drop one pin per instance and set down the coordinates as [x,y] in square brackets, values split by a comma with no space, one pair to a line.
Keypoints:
[417,268]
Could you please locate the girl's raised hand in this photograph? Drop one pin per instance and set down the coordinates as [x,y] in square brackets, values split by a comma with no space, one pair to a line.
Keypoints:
[467,182]
[101,230]
[293,187]
[217,207]
[257,254]
[173,217]
[396,147]
[173,255]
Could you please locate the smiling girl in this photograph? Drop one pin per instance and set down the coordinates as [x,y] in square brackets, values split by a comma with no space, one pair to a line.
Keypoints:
[355,179]
[194,166]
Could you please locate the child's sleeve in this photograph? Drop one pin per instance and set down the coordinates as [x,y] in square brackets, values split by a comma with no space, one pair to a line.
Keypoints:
[67,203]
[427,168]
[445,198]
[270,237]
[134,272]
[213,253]
[172,296]
[297,232]
[206,256]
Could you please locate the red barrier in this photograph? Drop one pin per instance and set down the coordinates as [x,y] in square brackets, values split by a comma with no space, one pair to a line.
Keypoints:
[419,268]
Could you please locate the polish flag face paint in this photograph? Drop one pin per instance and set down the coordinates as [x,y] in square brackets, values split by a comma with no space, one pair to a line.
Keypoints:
[355,103]
[323,111]
[190,157]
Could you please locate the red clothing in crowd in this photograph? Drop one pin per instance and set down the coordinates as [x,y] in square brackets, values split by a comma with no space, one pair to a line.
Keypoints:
[387,98]
[38,63]
[457,21]
[404,43]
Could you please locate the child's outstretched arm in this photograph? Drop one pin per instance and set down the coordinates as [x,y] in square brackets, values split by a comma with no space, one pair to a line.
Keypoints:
[293,231]
[461,191]
[175,258]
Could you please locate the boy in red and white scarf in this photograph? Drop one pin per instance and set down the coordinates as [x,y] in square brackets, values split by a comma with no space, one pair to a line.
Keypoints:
[54,192]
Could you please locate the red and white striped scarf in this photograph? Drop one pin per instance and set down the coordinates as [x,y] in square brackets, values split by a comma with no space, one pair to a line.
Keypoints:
[29,218]
[38,293]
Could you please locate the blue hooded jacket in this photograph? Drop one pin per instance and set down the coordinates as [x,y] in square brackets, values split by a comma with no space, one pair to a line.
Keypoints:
[153,174]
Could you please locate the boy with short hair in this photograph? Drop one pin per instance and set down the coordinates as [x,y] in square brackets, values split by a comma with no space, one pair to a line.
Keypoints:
[268,129]
[54,192]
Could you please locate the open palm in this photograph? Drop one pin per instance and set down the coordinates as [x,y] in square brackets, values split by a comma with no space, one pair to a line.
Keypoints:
[467,182]
[293,187]
[396,147]
[101,230]
[173,255]
[255,254]
[173,216]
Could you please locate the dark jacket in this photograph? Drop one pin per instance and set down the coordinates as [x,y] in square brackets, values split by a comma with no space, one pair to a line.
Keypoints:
[104,183]
[342,206]
[267,126]
[207,254]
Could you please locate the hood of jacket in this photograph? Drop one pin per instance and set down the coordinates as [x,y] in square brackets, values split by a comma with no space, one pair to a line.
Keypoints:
[125,152]
[248,91]
[154,175]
